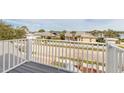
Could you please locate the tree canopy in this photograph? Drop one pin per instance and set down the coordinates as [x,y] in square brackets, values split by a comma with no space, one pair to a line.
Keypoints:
[41,30]
[107,33]
[9,32]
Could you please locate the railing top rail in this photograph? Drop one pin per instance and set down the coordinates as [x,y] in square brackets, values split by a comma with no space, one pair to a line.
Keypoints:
[72,41]
[14,39]
[115,46]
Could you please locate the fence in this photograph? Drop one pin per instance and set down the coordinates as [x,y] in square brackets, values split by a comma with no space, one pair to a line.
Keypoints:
[115,59]
[12,53]
[73,56]
[70,55]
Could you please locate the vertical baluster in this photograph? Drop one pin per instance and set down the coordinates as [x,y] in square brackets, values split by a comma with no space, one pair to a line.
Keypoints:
[13,52]
[25,48]
[74,58]
[92,64]
[87,59]
[56,63]
[36,50]
[3,48]
[120,61]
[39,51]
[40,55]
[62,54]
[17,42]
[46,51]
[103,51]
[52,51]
[70,62]
[97,65]
[117,61]
[82,65]
[66,48]
[33,51]
[59,54]
[21,50]
[49,53]
[122,64]
[8,54]
[43,52]
[78,60]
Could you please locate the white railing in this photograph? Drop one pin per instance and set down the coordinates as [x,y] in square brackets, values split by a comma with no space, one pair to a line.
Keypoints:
[12,53]
[70,55]
[115,59]
[73,56]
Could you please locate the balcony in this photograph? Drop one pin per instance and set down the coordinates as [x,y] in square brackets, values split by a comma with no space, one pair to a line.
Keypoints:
[57,56]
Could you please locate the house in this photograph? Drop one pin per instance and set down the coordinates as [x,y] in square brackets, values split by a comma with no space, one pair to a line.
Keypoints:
[31,36]
[47,35]
[44,35]
[68,36]
[80,36]
[85,37]
[111,40]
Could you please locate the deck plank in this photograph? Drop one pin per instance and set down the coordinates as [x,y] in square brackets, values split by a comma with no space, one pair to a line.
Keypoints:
[33,67]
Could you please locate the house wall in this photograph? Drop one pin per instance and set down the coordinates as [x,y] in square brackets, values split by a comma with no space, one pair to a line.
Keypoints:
[111,41]
[86,39]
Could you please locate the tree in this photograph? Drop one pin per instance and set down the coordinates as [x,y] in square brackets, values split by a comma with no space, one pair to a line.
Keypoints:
[41,30]
[101,40]
[106,33]
[64,31]
[111,34]
[73,34]
[24,28]
[20,33]
[62,34]
[8,32]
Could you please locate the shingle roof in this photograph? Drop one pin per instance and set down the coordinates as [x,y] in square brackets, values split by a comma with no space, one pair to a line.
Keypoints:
[44,34]
[82,34]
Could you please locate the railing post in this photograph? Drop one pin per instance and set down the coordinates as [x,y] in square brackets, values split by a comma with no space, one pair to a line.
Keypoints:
[29,49]
[111,65]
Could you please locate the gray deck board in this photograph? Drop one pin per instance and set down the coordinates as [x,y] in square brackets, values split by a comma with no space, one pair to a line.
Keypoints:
[32,67]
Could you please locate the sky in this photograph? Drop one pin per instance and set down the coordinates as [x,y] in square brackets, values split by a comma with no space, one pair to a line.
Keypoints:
[68,24]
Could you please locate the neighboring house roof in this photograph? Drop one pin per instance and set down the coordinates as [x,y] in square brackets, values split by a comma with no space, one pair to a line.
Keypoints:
[47,34]
[81,34]
[44,34]
[68,34]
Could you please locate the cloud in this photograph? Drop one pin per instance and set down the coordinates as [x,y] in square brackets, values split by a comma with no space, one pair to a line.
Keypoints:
[69,24]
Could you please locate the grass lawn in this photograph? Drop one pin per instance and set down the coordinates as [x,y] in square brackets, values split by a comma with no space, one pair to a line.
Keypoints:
[84,61]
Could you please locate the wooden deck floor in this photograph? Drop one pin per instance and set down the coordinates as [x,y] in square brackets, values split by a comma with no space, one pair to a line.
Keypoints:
[32,67]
